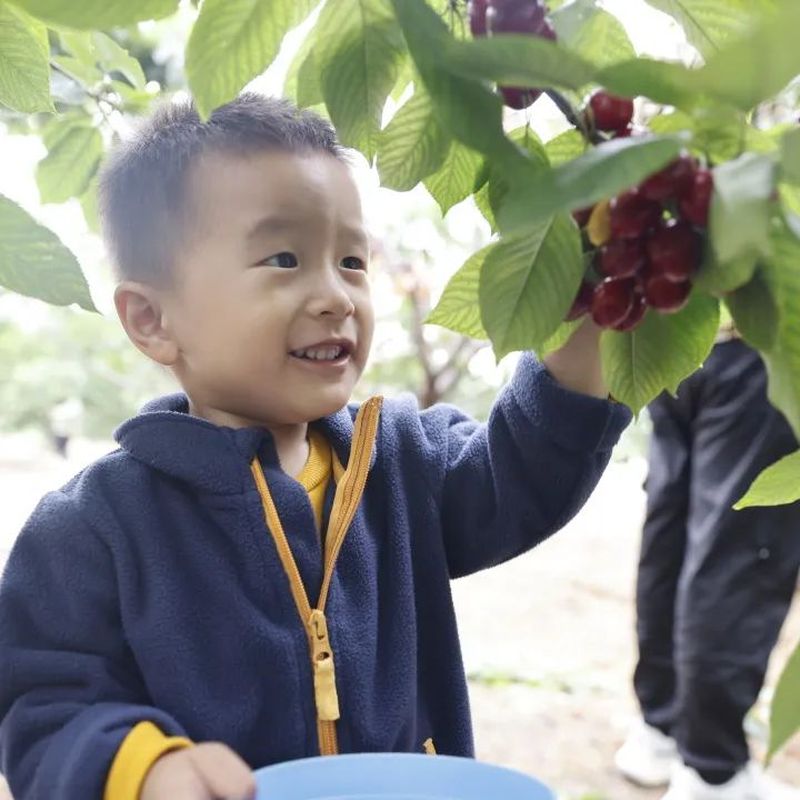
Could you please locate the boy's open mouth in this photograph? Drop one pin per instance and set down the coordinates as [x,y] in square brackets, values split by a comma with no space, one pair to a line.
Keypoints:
[326,352]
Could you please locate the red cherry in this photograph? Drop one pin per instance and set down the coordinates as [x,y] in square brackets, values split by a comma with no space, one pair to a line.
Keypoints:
[635,315]
[519,98]
[695,203]
[672,181]
[611,113]
[477,17]
[673,251]
[581,215]
[524,17]
[515,16]
[622,258]
[612,301]
[582,302]
[632,215]
[665,295]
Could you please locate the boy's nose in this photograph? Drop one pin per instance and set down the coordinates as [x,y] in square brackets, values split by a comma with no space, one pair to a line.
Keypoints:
[331,298]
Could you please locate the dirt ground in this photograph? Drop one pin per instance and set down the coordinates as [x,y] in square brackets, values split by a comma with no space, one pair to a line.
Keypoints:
[548,639]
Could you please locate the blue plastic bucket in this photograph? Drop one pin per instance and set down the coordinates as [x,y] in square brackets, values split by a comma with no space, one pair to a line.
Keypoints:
[395,776]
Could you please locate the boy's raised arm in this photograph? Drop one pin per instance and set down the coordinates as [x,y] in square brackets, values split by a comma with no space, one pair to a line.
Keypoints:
[576,365]
[508,484]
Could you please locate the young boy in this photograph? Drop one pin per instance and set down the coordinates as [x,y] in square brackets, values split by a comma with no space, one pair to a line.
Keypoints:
[260,564]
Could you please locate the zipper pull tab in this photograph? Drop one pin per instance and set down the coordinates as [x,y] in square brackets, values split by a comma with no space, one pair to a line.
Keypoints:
[327,700]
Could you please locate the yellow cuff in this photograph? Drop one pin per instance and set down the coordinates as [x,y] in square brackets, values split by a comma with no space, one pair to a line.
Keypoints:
[138,752]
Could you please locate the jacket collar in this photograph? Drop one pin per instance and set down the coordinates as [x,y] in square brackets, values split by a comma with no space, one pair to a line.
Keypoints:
[210,457]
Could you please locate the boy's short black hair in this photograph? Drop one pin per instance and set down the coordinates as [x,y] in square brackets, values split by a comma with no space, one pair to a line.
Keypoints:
[141,191]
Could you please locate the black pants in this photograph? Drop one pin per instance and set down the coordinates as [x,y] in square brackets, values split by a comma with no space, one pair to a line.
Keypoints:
[714,585]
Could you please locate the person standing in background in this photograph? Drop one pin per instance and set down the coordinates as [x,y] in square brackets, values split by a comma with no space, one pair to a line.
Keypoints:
[714,585]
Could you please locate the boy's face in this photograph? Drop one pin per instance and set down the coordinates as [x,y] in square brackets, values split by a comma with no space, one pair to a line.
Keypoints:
[271,308]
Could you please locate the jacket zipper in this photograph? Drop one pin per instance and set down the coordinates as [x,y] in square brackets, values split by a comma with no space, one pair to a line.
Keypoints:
[348,495]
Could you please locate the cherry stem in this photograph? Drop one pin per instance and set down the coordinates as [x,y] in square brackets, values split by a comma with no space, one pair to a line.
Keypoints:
[573,117]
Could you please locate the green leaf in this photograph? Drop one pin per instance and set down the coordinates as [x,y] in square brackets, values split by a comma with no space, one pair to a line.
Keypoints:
[790,156]
[493,180]
[455,179]
[112,57]
[740,208]
[467,110]
[716,277]
[454,17]
[405,76]
[413,145]
[517,60]
[790,198]
[90,206]
[232,42]
[782,274]
[34,262]
[459,306]
[302,84]
[659,354]
[784,720]
[741,74]
[497,183]
[757,66]
[670,84]
[134,100]
[85,74]
[717,132]
[777,485]
[90,49]
[671,122]
[765,141]
[80,44]
[592,33]
[709,24]
[481,198]
[755,313]
[24,68]
[97,14]
[602,172]
[359,52]
[528,283]
[561,336]
[74,152]
[565,147]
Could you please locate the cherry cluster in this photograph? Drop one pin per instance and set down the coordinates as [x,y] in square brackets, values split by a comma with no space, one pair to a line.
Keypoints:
[528,17]
[646,244]
[648,240]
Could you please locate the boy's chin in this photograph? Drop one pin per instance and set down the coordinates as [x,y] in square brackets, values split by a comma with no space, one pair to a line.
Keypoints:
[326,403]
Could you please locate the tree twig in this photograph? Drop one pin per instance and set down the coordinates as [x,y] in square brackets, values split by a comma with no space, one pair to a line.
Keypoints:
[573,116]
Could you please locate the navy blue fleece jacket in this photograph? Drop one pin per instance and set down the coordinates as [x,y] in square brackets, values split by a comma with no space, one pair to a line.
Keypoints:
[148,587]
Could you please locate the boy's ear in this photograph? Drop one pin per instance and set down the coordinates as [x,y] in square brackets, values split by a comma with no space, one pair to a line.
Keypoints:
[142,315]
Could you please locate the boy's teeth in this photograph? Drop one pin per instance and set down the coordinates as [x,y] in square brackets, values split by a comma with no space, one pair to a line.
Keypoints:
[320,353]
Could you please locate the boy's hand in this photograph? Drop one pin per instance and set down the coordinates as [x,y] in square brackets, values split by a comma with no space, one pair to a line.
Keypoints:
[209,771]
[576,365]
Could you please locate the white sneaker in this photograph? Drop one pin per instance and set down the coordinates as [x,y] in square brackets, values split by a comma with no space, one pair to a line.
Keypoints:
[750,783]
[648,756]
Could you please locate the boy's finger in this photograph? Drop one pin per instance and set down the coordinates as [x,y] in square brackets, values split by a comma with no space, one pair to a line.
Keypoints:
[224,773]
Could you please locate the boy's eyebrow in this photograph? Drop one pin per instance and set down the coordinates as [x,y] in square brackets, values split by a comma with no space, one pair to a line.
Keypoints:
[279,224]
[271,225]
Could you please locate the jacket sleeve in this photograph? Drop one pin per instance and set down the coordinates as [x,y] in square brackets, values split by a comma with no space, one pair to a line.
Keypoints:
[69,688]
[511,482]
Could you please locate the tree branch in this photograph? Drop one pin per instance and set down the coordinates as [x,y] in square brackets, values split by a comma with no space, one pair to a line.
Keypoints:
[574,117]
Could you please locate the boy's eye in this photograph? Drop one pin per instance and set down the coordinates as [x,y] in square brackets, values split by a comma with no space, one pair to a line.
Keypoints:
[283,260]
[353,262]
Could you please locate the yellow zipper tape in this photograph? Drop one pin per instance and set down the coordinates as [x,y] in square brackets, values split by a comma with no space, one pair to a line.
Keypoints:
[348,496]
